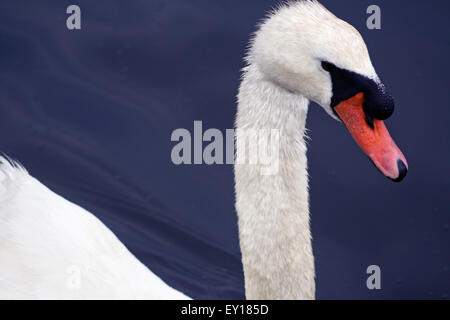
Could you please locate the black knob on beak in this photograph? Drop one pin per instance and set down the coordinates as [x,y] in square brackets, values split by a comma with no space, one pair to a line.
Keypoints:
[379,104]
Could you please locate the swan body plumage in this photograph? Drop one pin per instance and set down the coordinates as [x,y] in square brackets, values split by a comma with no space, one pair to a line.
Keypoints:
[50,248]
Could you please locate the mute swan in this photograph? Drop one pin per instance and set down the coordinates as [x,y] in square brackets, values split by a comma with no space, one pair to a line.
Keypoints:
[301,53]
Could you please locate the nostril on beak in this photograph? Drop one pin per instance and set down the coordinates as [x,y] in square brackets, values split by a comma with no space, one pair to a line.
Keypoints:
[402,171]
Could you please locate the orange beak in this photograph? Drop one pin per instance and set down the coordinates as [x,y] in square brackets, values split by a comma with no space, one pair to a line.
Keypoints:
[376,142]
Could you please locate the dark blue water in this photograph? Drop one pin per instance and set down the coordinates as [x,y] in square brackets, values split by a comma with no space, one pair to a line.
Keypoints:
[90,114]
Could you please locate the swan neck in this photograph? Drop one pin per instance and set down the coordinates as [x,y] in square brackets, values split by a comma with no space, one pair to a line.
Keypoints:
[273,209]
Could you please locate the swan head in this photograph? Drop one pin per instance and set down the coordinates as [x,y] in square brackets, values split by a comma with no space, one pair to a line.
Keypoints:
[306,50]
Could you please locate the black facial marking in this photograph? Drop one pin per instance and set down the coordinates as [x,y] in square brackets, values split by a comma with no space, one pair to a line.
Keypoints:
[378,103]
[369,121]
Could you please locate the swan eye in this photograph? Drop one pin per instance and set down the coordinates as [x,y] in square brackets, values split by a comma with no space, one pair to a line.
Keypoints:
[328,66]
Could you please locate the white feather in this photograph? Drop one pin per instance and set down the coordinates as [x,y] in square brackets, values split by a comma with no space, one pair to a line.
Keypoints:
[51,248]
